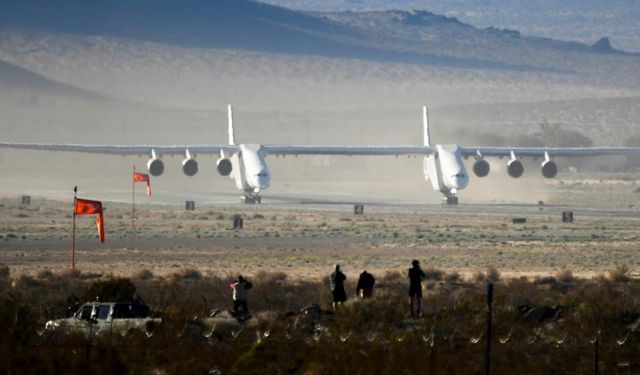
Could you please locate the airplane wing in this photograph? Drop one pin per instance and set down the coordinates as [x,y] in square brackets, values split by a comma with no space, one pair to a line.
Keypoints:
[125,149]
[346,150]
[551,151]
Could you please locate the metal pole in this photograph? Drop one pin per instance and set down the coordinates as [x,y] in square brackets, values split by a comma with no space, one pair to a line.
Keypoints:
[73,231]
[596,355]
[133,200]
[432,359]
[487,368]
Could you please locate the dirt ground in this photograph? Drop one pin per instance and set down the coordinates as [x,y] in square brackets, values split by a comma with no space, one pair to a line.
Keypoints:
[306,243]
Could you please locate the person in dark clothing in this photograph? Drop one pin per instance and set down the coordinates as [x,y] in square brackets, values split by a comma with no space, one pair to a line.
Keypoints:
[415,288]
[337,280]
[364,289]
[240,288]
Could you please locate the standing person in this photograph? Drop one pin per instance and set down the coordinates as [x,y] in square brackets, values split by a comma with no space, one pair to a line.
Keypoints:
[240,288]
[337,279]
[364,289]
[415,288]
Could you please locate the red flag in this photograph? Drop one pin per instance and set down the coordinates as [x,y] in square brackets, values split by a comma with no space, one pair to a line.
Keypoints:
[89,207]
[142,177]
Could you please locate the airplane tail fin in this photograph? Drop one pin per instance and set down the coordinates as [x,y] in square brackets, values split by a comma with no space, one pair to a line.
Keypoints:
[425,125]
[232,138]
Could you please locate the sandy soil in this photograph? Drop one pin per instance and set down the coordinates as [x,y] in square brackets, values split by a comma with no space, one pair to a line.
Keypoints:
[305,243]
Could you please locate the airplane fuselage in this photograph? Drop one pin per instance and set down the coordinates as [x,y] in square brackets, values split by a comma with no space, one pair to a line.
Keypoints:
[250,170]
[445,169]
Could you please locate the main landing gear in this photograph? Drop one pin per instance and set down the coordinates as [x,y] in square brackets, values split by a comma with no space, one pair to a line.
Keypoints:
[251,199]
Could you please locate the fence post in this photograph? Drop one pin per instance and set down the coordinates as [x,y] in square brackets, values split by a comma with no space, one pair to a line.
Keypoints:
[596,355]
[432,356]
[487,363]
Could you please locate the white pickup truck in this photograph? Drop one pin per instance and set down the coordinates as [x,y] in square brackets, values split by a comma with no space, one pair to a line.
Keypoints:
[99,317]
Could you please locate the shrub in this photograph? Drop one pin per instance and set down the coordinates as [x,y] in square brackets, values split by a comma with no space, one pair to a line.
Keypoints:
[70,273]
[188,274]
[270,277]
[4,272]
[143,274]
[493,275]
[45,274]
[478,277]
[432,273]
[111,290]
[565,276]
[453,277]
[26,282]
[620,274]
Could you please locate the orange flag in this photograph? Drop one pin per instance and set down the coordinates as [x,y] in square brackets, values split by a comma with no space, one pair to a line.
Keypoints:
[142,177]
[89,207]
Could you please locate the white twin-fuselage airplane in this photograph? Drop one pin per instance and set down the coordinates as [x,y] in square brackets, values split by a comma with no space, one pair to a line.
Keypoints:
[246,164]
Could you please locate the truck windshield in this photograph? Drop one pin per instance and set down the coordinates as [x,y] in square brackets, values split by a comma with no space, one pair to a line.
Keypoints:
[85,313]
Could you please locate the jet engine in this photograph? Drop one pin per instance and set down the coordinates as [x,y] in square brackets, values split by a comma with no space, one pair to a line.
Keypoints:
[224,166]
[549,168]
[189,166]
[155,166]
[515,168]
[481,168]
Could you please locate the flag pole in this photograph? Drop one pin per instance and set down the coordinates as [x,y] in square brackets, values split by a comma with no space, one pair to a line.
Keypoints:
[133,200]
[73,235]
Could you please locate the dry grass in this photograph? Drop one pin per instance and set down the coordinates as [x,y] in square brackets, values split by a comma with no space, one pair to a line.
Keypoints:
[535,320]
[288,271]
[308,242]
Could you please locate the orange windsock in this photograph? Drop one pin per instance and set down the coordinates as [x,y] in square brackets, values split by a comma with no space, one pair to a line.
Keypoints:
[100,225]
[143,177]
[88,207]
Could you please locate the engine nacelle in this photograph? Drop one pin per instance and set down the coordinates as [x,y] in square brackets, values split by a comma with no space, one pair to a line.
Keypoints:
[481,168]
[155,167]
[549,169]
[515,168]
[190,166]
[224,166]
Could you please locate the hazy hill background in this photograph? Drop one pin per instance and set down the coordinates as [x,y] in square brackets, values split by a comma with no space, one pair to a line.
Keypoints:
[584,21]
[163,71]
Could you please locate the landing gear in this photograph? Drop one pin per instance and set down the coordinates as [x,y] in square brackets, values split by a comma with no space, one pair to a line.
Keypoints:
[450,200]
[251,199]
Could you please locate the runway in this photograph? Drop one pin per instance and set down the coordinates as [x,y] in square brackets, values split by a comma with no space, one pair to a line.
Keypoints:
[514,209]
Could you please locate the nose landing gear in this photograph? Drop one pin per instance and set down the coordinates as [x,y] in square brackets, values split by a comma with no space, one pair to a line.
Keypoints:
[251,198]
[450,200]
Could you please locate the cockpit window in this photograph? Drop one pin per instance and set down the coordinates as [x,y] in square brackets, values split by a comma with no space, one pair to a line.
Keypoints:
[262,174]
[459,175]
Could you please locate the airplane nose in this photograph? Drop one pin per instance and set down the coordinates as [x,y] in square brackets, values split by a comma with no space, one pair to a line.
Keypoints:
[459,181]
[462,182]
[264,181]
[261,181]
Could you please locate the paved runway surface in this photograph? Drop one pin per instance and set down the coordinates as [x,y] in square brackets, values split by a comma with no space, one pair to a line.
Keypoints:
[462,208]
